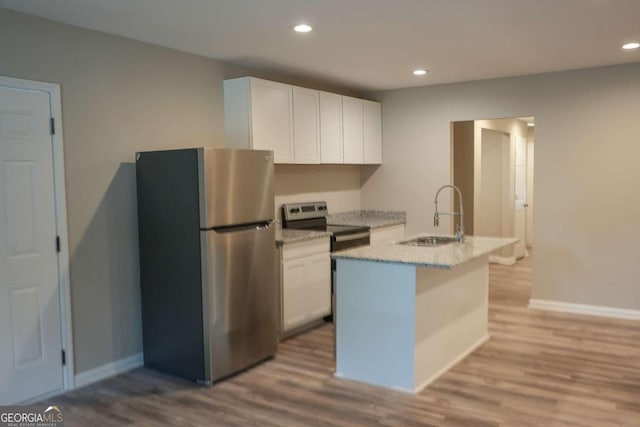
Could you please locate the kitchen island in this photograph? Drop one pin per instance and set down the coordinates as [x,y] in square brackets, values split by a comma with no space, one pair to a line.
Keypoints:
[406,314]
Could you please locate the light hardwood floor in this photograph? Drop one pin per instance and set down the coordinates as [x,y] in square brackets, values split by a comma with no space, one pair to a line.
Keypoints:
[538,369]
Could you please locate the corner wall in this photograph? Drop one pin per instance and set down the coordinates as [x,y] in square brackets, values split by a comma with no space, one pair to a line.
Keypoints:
[463,170]
[586,175]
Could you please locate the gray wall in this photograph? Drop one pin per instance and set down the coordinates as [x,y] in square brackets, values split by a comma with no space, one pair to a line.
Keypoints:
[586,174]
[119,96]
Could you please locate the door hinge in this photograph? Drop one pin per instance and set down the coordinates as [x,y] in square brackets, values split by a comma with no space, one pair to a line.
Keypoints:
[57,243]
[64,358]
[52,124]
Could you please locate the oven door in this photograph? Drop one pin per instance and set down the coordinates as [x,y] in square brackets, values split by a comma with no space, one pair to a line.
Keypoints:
[348,241]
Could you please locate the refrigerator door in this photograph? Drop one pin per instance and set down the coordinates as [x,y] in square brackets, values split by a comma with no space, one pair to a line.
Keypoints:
[240,291]
[236,187]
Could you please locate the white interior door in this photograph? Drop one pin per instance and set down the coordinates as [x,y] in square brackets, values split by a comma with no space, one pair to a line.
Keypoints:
[30,331]
[520,219]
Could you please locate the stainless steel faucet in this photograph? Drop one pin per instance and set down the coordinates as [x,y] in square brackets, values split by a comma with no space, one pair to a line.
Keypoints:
[436,215]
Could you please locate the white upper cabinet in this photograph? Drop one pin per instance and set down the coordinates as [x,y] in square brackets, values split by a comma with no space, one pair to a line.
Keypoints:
[352,130]
[259,116]
[301,125]
[306,125]
[331,128]
[372,128]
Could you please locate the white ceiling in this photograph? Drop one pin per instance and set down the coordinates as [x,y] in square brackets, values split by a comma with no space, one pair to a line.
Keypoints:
[372,44]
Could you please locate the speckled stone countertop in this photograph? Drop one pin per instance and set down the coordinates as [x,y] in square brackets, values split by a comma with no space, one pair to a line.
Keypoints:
[445,256]
[368,218]
[284,236]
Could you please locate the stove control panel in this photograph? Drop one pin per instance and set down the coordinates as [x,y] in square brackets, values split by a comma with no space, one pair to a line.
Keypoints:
[297,211]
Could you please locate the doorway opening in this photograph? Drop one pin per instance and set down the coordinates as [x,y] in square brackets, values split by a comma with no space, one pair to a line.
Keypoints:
[493,166]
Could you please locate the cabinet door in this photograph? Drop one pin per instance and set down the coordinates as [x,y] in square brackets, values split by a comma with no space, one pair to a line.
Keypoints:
[352,130]
[306,132]
[294,294]
[330,128]
[372,129]
[272,119]
[318,270]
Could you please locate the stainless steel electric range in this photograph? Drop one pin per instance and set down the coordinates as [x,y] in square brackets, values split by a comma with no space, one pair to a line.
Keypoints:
[313,216]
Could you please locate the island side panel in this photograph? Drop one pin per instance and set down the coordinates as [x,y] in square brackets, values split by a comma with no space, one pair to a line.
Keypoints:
[375,323]
[451,317]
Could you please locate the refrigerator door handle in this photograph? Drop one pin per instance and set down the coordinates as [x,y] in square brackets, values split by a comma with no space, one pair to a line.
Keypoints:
[263,225]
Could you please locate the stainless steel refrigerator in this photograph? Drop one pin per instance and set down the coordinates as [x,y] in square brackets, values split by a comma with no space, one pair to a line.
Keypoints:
[208,262]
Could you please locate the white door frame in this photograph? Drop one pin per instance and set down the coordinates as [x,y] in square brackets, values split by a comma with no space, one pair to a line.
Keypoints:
[64,285]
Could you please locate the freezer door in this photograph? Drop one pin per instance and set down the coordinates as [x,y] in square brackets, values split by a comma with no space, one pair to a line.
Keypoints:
[236,186]
[240,286]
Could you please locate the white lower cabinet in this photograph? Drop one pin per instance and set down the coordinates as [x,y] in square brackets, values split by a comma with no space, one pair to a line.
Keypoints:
[318,269]
[294,294]
[306,283]
[389,234]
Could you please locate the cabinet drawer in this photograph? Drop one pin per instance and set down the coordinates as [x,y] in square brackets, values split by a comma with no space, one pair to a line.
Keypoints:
[302,249]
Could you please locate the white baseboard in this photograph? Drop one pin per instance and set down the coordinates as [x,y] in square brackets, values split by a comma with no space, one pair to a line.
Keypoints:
[450,365]
[42,397]
[502,260]
[592,310]
[110,369]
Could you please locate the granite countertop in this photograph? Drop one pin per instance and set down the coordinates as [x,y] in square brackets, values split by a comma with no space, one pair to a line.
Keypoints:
[445,256]
[368,218]
[284,236]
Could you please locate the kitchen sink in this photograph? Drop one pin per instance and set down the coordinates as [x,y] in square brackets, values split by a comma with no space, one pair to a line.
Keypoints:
[429,241]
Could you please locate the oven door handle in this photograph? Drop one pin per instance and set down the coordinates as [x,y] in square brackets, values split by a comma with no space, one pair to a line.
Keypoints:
[356,236]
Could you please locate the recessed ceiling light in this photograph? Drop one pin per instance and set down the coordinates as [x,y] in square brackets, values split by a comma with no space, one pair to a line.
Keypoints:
[531,124]
[633,45]
[419,72]
[302,28]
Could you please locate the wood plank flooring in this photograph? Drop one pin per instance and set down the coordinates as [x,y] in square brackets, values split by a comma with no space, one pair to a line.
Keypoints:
[538,369]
